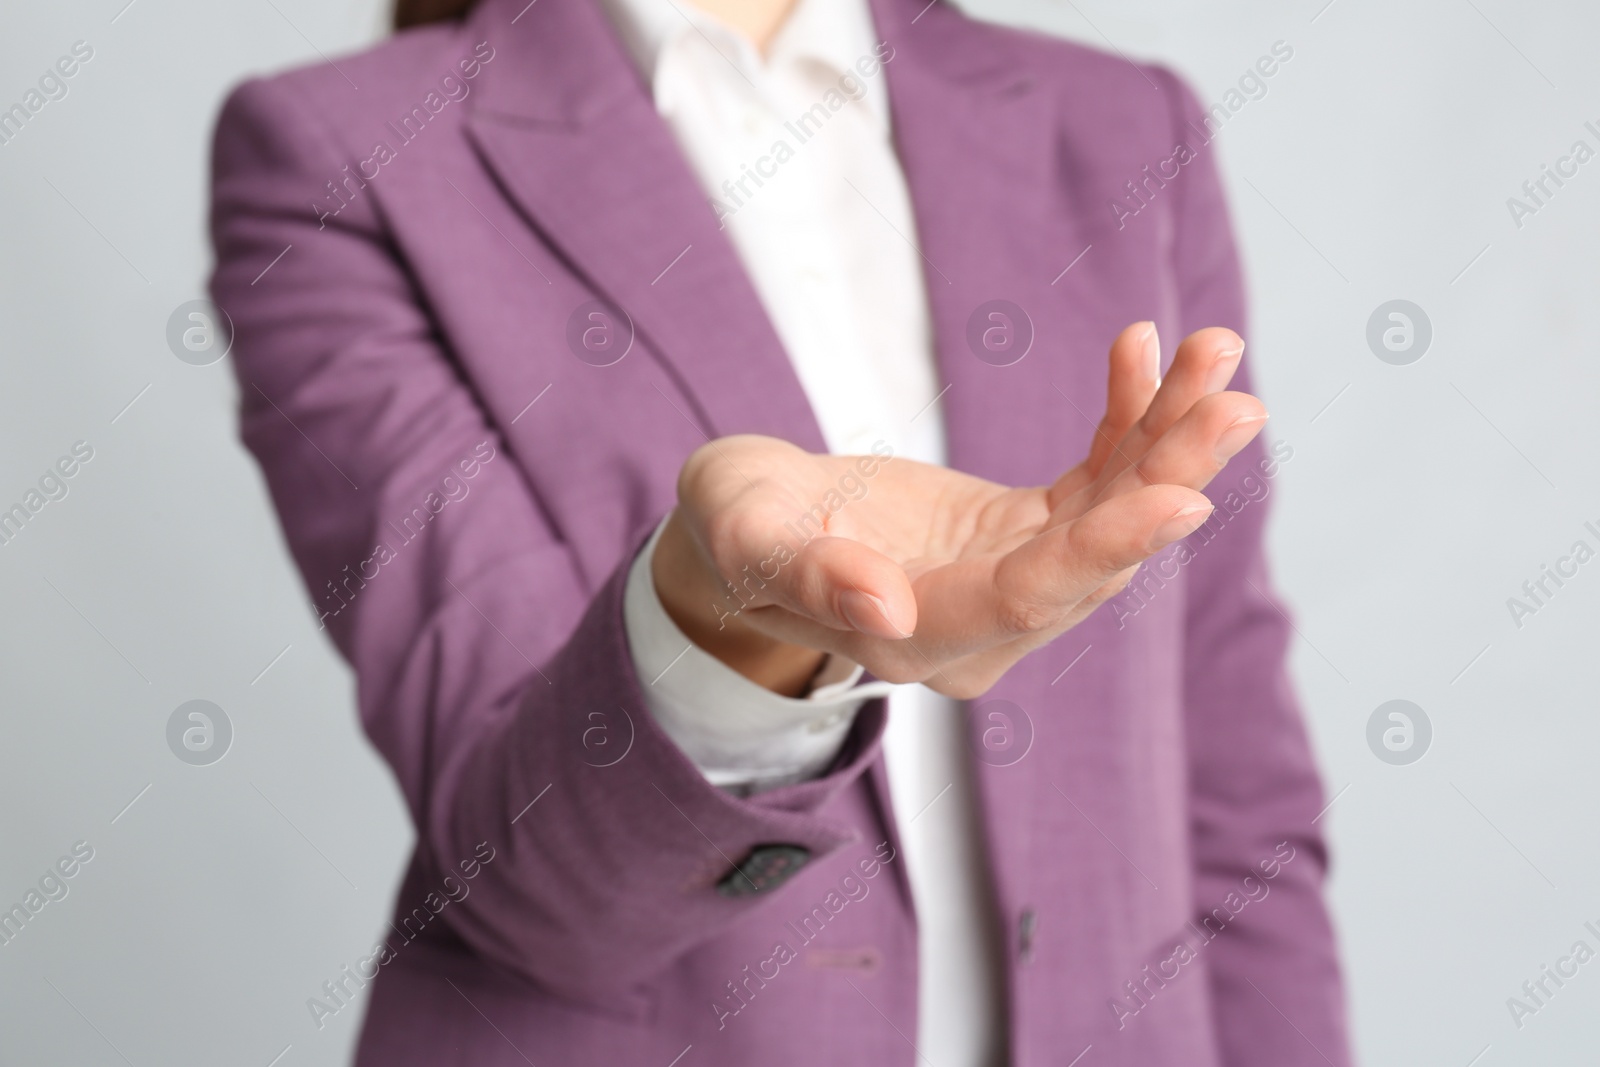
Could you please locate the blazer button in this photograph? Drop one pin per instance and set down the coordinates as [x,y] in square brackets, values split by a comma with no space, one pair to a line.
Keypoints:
[1027,925]
[765,868]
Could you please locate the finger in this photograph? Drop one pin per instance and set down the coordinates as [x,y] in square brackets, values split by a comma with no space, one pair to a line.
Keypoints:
[1072,563]
[1037,587]
[897,660]
[836,582]
[1192,451]
[1134,377]
[1204,363]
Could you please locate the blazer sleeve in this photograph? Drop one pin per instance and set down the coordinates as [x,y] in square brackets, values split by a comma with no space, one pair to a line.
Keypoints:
[1254,789]
[490,676]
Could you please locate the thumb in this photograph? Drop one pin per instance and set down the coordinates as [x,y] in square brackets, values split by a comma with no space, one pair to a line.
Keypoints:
[845,585]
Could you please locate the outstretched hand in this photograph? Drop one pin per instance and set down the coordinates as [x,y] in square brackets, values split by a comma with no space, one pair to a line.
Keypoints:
[936,576]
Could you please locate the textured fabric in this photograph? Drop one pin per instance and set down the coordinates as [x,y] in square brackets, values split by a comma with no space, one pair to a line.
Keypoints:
[406,321]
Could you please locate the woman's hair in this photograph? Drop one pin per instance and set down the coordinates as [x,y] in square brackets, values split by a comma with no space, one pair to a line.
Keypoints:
[408,13]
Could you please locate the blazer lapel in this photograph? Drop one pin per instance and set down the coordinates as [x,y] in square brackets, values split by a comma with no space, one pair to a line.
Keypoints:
[977,143]
[570,131]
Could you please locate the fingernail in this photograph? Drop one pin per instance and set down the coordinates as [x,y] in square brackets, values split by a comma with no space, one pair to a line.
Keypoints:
[1237,435]
[864,612]
[1152,352]
[1222,370]
[1184,522]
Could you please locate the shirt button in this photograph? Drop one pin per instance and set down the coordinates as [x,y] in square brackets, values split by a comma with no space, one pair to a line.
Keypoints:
[827,723]
[1027,926]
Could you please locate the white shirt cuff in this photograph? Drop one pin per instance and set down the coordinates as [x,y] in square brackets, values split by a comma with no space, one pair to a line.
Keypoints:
[742,736]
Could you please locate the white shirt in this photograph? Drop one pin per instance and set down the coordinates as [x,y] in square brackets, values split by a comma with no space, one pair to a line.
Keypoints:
[794,152]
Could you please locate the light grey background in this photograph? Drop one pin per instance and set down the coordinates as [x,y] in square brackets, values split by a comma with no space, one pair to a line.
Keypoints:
[1418,500]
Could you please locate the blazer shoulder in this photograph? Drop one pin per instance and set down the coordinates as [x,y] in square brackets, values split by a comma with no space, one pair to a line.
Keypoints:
[1122,98]
[351,96]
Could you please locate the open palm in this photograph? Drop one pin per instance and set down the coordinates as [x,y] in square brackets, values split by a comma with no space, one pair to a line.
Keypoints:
[921,573]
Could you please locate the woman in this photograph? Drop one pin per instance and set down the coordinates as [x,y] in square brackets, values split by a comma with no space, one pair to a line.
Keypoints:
[631,377]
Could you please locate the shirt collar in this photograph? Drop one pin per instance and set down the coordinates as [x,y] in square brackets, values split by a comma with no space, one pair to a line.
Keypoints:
[834,33]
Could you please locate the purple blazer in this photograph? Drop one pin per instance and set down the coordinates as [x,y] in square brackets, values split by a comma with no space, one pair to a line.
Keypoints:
[406,244]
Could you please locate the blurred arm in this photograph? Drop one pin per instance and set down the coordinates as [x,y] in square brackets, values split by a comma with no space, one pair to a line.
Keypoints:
[1254,788]
[484,662]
